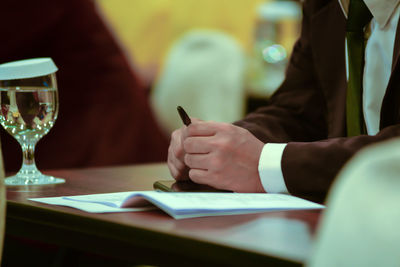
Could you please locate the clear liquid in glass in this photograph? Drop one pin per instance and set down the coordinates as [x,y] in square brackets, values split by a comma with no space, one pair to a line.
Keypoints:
[28,113]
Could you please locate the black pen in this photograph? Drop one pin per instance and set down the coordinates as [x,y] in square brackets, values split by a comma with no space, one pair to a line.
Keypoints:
[184,116]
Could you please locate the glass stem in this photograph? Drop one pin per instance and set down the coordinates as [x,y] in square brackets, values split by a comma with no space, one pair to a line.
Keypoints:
[28,159]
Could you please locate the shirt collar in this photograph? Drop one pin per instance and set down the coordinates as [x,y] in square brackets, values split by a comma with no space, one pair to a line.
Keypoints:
[382,10]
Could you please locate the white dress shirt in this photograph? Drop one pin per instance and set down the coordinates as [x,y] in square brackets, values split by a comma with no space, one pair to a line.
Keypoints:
[377,71]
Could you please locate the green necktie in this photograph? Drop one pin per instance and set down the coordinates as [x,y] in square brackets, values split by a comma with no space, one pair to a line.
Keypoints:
[358,17]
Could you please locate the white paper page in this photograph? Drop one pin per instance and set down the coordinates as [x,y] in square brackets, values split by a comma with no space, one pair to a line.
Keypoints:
[188,204]
[94,207]
[226,201]
[109,199]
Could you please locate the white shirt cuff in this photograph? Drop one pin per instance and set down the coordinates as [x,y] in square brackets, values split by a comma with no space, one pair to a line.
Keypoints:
[269,168]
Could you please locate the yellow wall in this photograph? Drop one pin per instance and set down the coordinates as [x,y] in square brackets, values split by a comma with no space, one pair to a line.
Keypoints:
[147,28]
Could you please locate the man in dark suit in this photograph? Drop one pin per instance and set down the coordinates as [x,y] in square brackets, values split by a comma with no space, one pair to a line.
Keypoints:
[301,139]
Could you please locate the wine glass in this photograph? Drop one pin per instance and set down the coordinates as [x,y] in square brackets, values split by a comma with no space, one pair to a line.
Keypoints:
[29,108]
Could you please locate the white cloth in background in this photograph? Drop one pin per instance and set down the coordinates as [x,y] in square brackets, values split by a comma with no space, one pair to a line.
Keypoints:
[204,73]
[360,226]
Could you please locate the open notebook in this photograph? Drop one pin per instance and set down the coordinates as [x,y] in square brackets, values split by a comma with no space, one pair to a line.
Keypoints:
[183,204]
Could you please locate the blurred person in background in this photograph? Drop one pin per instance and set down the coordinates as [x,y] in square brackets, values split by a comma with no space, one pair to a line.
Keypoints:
[104,116]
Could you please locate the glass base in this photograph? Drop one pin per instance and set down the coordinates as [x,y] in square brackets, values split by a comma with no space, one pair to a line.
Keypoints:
[30,175]
[39,179]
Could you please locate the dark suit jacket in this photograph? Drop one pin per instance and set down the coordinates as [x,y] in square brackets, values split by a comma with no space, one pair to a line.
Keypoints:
[105,116]
[308,110]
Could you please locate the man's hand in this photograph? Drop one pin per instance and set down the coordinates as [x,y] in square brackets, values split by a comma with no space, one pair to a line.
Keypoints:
[221,155]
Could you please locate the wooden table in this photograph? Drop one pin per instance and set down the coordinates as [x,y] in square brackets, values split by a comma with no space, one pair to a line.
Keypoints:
[152,237]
